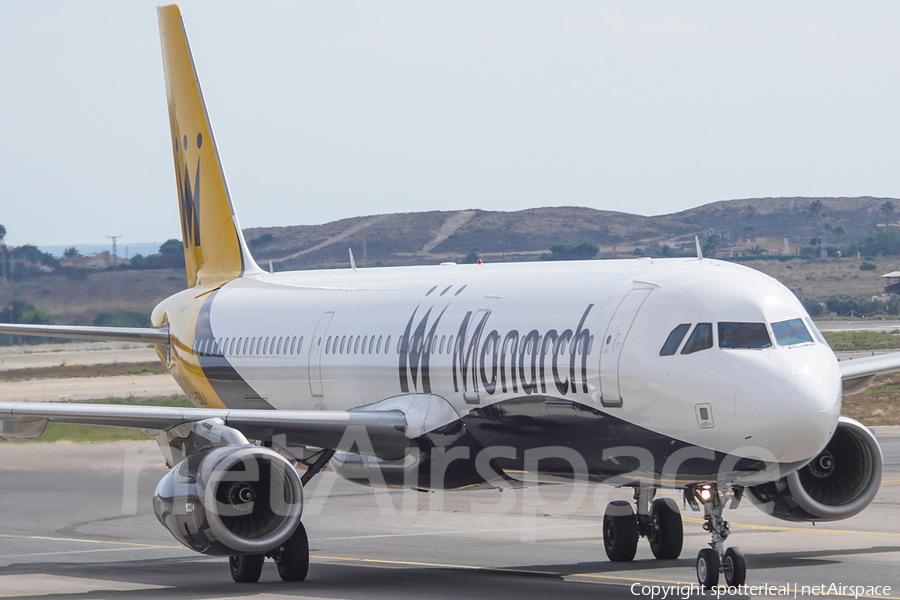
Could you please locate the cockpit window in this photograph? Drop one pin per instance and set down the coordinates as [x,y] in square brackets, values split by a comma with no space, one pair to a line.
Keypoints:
[743,335]
[791,333]
[674,340]
[816,332]
[701,339]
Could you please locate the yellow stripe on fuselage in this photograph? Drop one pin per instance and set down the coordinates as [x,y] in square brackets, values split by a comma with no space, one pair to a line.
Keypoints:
[181,312]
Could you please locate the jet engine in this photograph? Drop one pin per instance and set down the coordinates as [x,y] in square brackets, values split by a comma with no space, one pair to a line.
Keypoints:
[838,483]
[230,500]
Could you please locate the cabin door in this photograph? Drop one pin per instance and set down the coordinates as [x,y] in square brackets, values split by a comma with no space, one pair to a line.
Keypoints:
[316,350]
[612,343]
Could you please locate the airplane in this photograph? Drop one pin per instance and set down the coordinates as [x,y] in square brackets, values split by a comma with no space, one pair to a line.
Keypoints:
[685,374]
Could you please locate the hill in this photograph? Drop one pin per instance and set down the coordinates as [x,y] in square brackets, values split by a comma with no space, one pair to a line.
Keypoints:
[438,236]
[431,237]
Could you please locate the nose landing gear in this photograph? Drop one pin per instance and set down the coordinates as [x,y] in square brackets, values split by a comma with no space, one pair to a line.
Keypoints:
[716,559]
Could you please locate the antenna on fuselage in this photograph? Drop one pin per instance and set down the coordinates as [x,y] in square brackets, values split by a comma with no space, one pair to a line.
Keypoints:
[699,250]
[352,261]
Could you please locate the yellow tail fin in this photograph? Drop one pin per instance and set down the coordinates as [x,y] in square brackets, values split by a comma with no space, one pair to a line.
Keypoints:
[214,247]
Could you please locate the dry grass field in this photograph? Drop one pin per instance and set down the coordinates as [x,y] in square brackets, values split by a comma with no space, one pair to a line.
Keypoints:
[78,301]
[821,279]
[879,405]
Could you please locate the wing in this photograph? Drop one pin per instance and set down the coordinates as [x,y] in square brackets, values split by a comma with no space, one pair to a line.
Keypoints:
[146,335]
[857,373]
[385,430]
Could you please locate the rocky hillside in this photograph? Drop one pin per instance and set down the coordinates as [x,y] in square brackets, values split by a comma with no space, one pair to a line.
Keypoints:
[429,237]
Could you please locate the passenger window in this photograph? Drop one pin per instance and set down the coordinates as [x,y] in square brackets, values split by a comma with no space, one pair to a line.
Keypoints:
[378,346]
[233,342]
[300,344]
[334,348]
[371,343]
[701,339]
[293,344]
[356,346]
[387,345]
[278,348]
[743,335]
[246,343]
[791,333]
[364,344]
[266,346]
[674,340]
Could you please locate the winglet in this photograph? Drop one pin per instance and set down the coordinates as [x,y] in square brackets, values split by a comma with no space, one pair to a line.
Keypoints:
[699,251]
[214,247]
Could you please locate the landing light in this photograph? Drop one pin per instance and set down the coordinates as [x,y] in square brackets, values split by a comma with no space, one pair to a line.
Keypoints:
[706,493]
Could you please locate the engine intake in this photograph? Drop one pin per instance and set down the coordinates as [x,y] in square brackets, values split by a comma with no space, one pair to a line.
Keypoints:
[230,500]
[838,483]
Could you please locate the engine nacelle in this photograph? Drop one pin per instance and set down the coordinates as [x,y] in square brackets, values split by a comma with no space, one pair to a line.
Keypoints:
[840,482]
[230,500]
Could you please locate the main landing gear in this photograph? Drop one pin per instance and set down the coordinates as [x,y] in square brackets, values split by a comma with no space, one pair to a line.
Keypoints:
[292,559]
[657,520]
[716,559]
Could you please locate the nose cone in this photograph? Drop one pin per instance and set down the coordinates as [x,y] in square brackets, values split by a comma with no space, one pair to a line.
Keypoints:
[790,411]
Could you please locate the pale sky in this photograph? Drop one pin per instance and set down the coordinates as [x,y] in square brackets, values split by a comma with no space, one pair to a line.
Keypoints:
[327,110]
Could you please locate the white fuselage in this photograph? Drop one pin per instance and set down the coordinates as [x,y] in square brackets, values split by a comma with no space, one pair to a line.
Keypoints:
[551,336]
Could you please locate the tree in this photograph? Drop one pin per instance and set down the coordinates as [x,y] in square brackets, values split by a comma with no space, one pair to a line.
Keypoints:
[70,252]
[815,207]
[712,241]
[172,254]
[583,251]
[471,258]
[839,230]
[886,209]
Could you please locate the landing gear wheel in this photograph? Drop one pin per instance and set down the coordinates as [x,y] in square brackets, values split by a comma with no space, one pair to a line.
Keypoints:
[708,568]
[734,567]
[293,562]
[620,531]
[666,533]
[247,568]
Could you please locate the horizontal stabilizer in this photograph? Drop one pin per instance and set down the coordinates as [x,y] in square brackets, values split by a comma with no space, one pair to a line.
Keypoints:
[140,335]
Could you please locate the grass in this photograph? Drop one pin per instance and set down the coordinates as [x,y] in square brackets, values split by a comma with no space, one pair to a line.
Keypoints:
[879,405]
[862,340]
[95,433]
[821,279]
[68,370]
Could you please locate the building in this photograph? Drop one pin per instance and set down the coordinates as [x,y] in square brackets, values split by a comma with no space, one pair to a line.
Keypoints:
[759,247]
